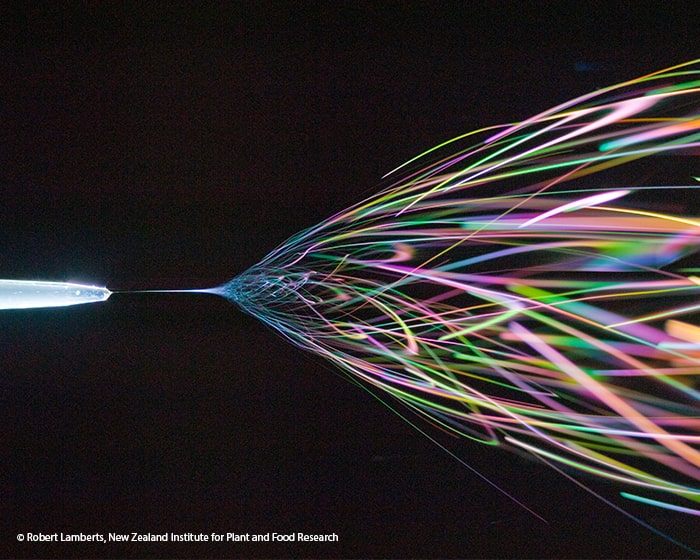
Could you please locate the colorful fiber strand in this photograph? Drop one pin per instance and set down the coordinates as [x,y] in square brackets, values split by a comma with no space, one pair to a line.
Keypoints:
[532,286]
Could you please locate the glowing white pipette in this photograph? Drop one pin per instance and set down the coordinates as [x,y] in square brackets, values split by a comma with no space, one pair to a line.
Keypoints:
[28,294]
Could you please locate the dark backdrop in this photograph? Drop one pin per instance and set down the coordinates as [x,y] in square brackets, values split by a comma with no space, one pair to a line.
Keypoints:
[174,145]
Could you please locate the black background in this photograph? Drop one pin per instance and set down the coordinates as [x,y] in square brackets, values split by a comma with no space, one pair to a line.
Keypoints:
[173,146]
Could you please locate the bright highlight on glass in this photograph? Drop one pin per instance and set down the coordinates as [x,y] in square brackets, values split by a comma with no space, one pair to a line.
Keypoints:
[25,294]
